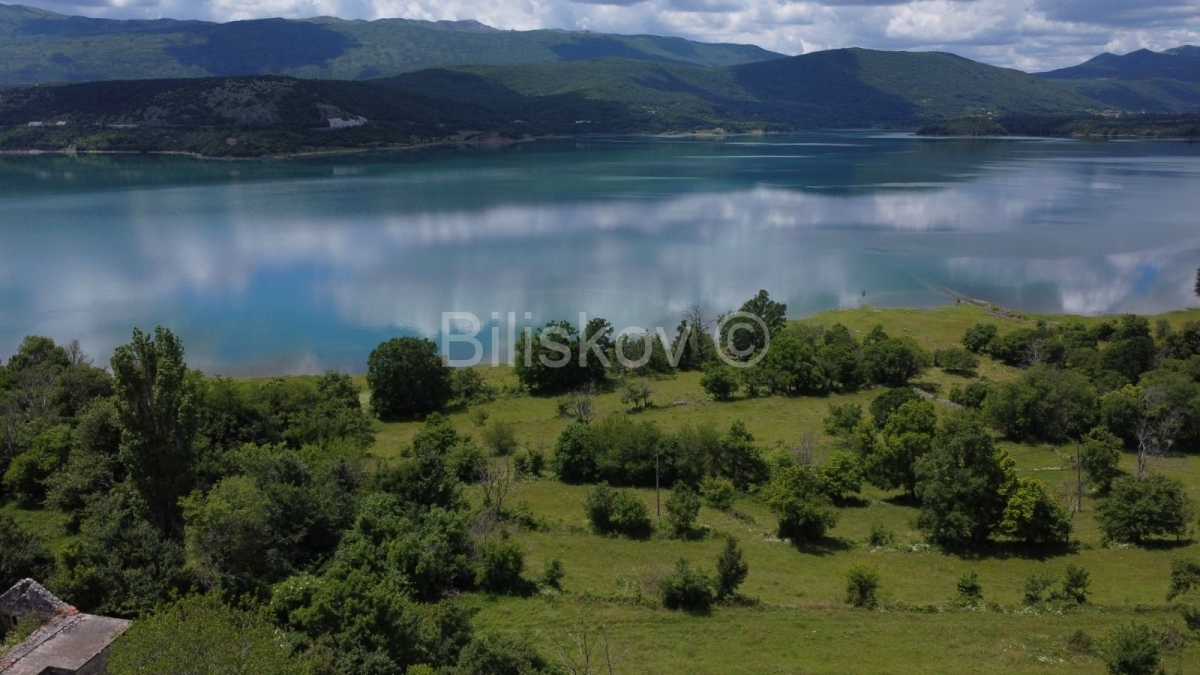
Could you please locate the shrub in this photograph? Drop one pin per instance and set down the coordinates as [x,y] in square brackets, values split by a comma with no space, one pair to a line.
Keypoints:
[1191,618]
[731,569]
[468,386]
[617,512]
[956,360]
[500,438]
[970,591]
[1137,510]
[889,402]
[683,506]
[22,553]
[1132,649]
[1032,516]
[1100,457]
[862,586]
[978,338]
[501,655]
[1080,642]
[842,419]
[500,566]
[720,381]
[971,396]
[686,588]
[531,462]
[880,535]
[1036,585]
[479,417]
[1075,585]
[843,475]
[553,574]
[574,459]
[1185,575]
[718,493]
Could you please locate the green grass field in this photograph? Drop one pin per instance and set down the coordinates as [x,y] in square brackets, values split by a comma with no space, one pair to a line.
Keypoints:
[800,624]
[797,621]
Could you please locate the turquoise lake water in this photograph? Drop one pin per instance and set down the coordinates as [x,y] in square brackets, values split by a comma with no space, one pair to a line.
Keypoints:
[298,266]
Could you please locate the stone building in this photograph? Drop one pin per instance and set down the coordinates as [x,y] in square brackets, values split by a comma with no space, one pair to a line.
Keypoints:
[66,643]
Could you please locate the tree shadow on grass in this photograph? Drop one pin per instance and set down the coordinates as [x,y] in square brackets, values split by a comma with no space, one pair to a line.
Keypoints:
[823,547]
[1015,550]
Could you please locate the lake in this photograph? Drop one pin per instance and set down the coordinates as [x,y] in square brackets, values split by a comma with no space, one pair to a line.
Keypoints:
[298,266]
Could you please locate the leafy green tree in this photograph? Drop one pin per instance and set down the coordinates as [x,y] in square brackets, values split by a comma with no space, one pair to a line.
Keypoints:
[748,342]
[617,512]
[683,507]
[558,358]
[1185,576]
[793,369]
[1100,458]
[970,591]
[22,554]
[907,437]
[29,472]
[739,459]
[796,496]
[407,379]
[468,387]
[228,530]
[883,405]
[979,337]
[1138,510]
[956,360]
[686,588]
[1132,649]
[501,563]
[731,570]
[574,460]
[201,634]
[1076,581]
[718,493]
[1045,404]
[1132,350]
[157,403]
[693,345]
[842,475]
[1033,517]
[840,356]
[971,396]
[841,420]
[720,381]
[893,362]
[963,484]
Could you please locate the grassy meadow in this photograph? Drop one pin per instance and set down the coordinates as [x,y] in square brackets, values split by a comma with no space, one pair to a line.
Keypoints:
[798,622]
[794,619]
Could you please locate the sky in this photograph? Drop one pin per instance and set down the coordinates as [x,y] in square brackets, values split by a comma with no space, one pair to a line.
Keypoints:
[1030,35]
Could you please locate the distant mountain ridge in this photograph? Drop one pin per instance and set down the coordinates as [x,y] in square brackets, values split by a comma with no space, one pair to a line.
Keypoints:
[39,46]
[1155,82]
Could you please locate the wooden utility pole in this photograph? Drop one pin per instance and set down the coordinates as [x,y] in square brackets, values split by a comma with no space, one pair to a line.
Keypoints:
[657,497]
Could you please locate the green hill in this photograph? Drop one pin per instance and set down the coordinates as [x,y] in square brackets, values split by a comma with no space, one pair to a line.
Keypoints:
[39,46]
[1143,81]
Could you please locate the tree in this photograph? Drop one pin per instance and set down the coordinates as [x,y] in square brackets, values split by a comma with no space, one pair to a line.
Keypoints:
[200,634]
[841,420]
[979,337]
[720,381]
[500,655]
[683,506]
[745,343]
[731,570]
[407,379]
[907,436]
[883,405]
[842,475]
[1185,576]
[792,368]
[1045,404]
[574,459]
[228,530]
[893,362]
[796,496]
[956,360]
[558,358]
[739,459]
[22,554]
[1138,510]
[694,346]
[1033,517]
[617,512]
[1100,458]
[963,484]
[639,393]
[157,402]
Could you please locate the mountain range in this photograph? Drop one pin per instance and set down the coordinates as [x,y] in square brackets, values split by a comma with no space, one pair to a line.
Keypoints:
[282,86]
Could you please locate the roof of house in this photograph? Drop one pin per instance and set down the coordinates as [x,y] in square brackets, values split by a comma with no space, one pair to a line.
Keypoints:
[67,639]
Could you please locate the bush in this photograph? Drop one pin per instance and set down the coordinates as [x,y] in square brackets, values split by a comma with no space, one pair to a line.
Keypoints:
[574,460]
[970,591]
[1080,642]
[892,362]
[22,553]
[530,463]
[479,417]
[501,655]
[553,574]
[720,381]
[1075,585]
[1132,649]
[842,419]
[731,569]
[956,360]
[889,402]
[500,566]
[686,588]
[1036,585]
[683,506]
[880,535]
[1185,575]
[971,396]
[796,495]
[978,338]
[862,586]
[407,378]
[617,512]
[843,475]
[1137,510]
[1033,517]
[1100,458]
[468,386]
[500,438]
[718,493]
